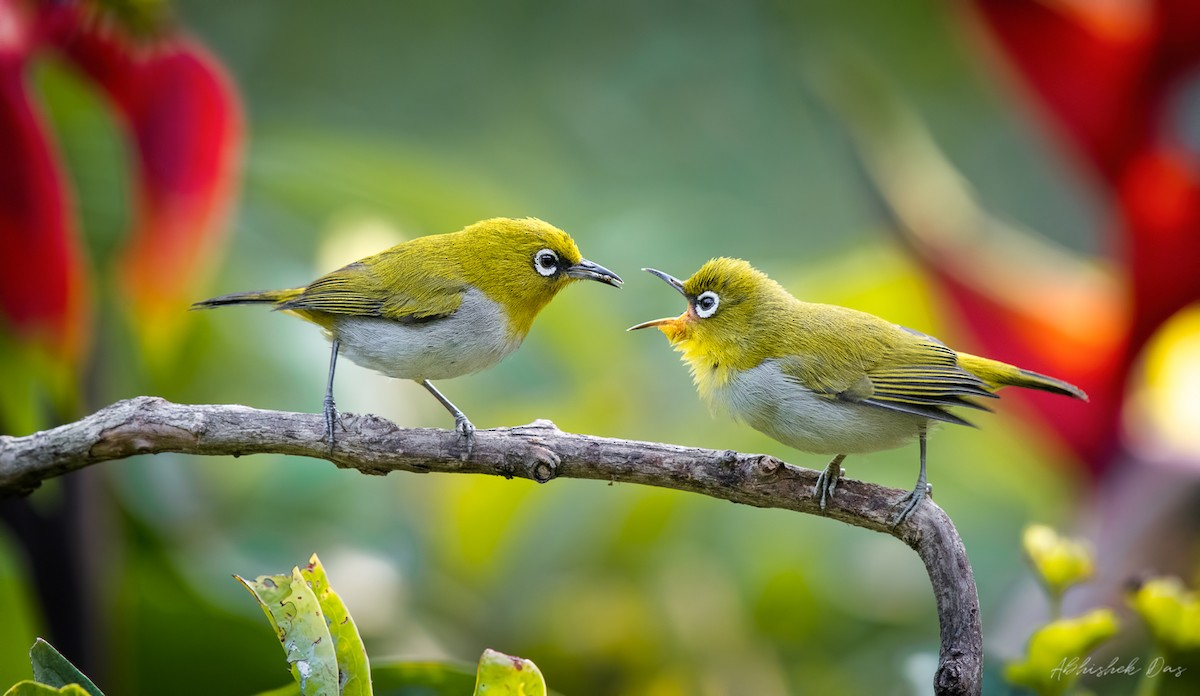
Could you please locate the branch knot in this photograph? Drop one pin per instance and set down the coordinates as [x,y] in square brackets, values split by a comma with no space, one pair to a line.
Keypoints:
[766,465]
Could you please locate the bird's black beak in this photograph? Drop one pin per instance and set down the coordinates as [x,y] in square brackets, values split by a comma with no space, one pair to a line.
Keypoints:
[669,279]
[586,270]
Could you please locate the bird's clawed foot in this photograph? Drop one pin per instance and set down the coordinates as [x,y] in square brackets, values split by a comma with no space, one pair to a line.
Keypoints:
[828,480]
[331,415]
[466,431]
[462,426]
[919,492]
[911,501]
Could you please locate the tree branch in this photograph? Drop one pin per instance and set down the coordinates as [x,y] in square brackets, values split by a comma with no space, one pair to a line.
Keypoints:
[539,451]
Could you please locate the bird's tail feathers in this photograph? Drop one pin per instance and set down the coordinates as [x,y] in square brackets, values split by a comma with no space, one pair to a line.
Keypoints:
[998,374]
[255,297]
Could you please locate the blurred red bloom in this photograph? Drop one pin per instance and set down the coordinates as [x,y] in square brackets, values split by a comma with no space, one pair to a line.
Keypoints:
[184,118]
[42,274]
[1105,75]
[184,122]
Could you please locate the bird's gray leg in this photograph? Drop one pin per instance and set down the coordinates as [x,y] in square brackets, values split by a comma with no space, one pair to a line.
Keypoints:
[461,424]
[330,409]
[918,492]
[828,480]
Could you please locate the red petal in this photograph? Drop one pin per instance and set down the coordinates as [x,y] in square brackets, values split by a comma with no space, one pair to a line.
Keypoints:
[1160,201]
[1180,26]
[1106,73]
[1087,70]
[1037,337]
[188,132]
[184,116]
[42,274]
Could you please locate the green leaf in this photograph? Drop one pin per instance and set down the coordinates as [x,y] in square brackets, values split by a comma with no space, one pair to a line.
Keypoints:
[294,612]
[506,675]
[354,670]
[52,669]
[411,679]
[32,688]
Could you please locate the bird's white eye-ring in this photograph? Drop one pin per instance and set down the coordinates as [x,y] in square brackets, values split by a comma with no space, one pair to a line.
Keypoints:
[546,262]
[706,304]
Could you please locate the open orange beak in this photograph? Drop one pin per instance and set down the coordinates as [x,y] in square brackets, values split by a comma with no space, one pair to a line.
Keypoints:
[671,326]
[666,323]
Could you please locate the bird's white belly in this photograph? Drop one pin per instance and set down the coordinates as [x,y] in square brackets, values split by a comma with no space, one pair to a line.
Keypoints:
[766,400]
[474,338]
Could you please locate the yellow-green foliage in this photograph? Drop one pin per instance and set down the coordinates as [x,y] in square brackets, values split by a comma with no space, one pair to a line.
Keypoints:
[1057,652]
[507,675]
[1059,561]
[295,613]
[1171,611]
[32,688]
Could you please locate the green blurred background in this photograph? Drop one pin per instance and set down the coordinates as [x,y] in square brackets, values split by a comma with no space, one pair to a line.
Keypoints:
[657,135]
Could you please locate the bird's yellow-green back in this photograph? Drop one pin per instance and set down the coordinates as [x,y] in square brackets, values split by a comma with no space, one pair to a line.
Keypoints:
[828,349]
[425,278]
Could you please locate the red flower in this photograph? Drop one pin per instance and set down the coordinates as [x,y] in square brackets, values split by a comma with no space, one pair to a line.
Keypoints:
[42,275]
[1104,76]
[183,119]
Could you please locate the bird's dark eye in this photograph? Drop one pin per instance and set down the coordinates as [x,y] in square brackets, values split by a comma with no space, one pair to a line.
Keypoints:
[546,262]
[706,304]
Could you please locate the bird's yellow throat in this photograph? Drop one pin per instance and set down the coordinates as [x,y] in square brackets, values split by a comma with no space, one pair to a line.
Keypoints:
[709,361]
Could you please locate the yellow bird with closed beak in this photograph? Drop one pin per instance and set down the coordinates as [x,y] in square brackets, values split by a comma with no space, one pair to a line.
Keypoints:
[436,307]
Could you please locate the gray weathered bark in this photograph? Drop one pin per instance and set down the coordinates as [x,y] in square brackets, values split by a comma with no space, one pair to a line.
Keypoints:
[539,451]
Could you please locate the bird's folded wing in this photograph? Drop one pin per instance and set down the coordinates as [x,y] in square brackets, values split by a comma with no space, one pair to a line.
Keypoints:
[357,290]
[926,388]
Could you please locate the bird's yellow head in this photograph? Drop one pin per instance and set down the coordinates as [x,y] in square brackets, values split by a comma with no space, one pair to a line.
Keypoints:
[725,324]
[523,263]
